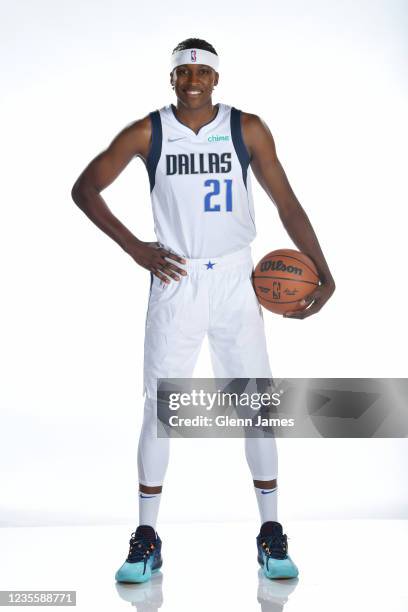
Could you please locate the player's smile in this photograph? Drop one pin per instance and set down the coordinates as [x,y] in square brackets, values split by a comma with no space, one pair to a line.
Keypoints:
[193,92]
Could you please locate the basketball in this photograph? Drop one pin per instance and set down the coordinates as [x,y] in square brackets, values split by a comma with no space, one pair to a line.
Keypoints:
[284,277]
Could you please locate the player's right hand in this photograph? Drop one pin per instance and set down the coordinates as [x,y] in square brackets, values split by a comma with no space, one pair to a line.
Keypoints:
[153,257]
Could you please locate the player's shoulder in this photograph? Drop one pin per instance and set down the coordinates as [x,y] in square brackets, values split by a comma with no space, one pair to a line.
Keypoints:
[145,124]
[251,120]
[140,127]
[134,137]
[253,127]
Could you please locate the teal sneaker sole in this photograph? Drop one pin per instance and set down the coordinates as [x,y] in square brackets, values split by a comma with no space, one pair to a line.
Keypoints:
[279,569]
[127,573]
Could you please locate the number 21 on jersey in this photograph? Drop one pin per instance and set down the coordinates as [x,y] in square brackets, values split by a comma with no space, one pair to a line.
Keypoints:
[216,190]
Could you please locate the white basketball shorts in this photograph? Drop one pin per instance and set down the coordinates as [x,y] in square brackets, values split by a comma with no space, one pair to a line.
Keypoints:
[216,297]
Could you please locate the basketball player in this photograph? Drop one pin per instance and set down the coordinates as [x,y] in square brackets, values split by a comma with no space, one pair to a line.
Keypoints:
[197,156]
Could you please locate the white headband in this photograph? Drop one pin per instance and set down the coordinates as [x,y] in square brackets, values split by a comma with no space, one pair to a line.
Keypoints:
[194,56]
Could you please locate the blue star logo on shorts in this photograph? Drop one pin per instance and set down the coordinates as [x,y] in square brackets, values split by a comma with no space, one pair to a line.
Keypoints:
[210,265]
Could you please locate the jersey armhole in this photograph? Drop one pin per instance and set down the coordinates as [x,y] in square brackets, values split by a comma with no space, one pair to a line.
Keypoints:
[155,147]
[238,142]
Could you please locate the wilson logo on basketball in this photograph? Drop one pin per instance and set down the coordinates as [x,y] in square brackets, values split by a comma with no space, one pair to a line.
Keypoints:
[279,265]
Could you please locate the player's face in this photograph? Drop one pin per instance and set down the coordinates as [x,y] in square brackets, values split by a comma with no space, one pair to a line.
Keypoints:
[193,83]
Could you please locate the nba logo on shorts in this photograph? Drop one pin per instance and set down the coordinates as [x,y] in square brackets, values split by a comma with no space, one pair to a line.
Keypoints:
[193,55]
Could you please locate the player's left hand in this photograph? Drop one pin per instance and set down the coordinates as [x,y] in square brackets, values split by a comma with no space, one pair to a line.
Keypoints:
[313,302]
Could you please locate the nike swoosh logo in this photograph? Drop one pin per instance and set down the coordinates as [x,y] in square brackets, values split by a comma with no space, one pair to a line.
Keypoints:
[146,496]
[174,139]
[269,491]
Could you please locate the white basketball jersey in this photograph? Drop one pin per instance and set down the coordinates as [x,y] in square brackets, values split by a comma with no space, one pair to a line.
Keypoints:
[200,184]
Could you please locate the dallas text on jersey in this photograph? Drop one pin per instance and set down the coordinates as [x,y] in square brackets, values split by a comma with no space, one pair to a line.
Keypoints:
[198,163]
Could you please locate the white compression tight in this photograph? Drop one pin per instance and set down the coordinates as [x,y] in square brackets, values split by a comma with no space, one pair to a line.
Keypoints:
[153,452]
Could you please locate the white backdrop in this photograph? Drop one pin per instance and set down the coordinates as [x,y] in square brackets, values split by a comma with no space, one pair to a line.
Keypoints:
[329,78]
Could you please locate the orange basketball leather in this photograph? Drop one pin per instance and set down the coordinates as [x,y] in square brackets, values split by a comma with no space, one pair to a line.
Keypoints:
[284,277]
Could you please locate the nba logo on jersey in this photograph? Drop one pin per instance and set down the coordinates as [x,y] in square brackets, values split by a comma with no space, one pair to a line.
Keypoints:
[193,55]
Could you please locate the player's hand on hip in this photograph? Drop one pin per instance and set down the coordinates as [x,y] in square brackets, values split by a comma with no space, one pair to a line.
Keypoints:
[153,257]
[313,302]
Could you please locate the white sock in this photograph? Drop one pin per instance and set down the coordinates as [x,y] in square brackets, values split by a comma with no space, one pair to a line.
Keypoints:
[149,508]
[267,503]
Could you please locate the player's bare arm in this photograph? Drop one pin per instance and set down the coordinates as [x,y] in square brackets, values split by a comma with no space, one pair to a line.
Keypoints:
[133,141]
[271,176]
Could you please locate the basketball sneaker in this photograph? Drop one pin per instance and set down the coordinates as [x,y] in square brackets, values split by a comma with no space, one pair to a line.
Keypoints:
[144,558]
[273,552]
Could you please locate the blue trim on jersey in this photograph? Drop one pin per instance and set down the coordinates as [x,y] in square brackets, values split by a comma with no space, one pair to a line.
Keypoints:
[238,141]
[155,147]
